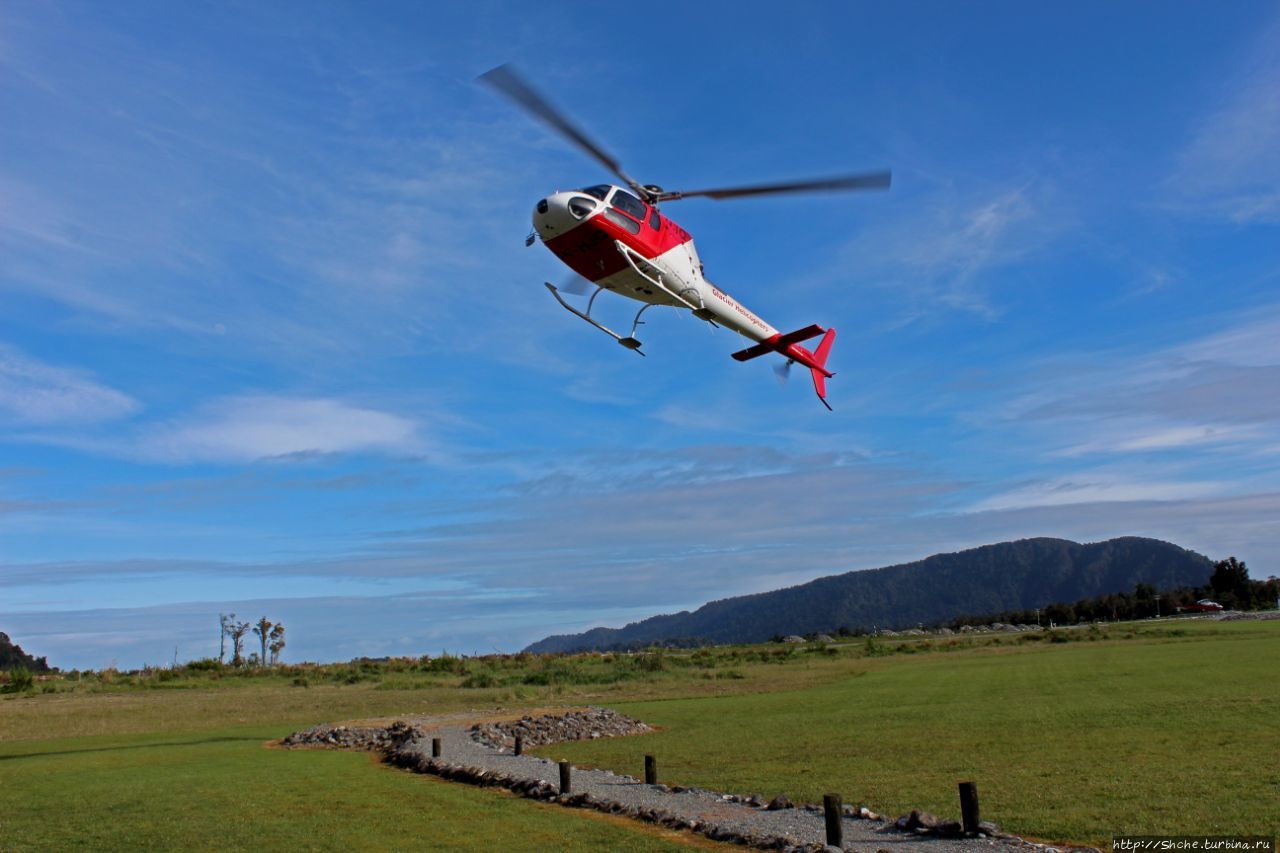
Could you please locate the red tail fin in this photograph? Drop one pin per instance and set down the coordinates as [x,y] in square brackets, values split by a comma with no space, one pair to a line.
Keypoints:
[819,372]
[788,346]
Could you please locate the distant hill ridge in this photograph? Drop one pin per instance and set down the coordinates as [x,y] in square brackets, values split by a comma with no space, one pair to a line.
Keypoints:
[1017,575]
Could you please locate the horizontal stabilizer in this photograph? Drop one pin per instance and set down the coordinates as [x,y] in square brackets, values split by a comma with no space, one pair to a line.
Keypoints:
[779,343]
[797,336]
[788,346]
[754,352]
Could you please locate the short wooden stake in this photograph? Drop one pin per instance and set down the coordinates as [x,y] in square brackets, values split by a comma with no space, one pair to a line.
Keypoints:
[969,807]
[650,770]
[435,747]
[835,830]
[519,744]
[564,777]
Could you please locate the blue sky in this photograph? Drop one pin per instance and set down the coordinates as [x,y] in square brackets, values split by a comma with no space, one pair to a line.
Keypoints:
[270,341]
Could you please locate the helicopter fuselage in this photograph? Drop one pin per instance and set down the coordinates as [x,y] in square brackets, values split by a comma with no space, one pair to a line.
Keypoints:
[616,241]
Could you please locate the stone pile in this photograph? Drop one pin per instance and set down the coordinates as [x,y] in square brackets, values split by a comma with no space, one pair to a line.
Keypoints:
[354,737]
[924,823]
[557,728]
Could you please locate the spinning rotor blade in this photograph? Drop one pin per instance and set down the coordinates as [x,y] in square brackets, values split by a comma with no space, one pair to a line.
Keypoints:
[865,181]
[783,371]
[577,285]
[506,80]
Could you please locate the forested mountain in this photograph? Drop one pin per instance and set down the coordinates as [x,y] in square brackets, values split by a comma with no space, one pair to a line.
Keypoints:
[1009,576]
[12,656]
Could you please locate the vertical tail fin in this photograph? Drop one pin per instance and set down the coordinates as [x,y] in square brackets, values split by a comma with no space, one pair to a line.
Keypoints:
[820,376]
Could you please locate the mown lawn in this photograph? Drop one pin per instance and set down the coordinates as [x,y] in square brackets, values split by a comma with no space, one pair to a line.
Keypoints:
[1173,730]
[222,790]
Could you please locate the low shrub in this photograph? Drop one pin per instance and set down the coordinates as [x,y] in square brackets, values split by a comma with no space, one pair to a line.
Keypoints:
[20,681]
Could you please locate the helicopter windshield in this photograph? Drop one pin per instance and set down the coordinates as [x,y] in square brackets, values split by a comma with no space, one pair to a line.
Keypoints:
[629,204]
[600,191]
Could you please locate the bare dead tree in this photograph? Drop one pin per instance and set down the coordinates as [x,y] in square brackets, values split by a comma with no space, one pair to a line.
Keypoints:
[263,629]
[277,642]
[237,630]
[224,620]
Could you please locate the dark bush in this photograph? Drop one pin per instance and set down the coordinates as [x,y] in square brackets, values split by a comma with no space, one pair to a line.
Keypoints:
[205,665]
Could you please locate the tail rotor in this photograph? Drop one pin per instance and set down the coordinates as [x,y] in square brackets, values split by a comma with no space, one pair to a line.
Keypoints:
[783,371]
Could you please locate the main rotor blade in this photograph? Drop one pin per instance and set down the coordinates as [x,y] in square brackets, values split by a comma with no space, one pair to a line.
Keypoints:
[506,80]
[864,181]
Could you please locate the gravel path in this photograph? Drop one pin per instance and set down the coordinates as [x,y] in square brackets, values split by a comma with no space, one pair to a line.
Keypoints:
[798,826]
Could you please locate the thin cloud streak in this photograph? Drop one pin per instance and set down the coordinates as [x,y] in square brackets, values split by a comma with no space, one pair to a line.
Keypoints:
[245,429]
[35,393]
[1229,168]
[943,256]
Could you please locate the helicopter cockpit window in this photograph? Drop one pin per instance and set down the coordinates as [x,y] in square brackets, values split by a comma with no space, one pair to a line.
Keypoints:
[629,204]
[580,206]
[600,191]
[624,221]
[655,221]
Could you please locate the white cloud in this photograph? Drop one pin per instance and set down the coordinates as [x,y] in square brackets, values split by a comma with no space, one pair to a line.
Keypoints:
[238,429]
[1217,393]
[1230,167]
[1253,343]
[1128,437]
[37,394]
[940,255]
[1095,487]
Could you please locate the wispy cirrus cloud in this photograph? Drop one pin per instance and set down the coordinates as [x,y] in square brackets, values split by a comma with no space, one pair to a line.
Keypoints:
[246,428]
[167,198]
[33,393]
[940,257]
[1229,168]
[243,429]
[1220,392]
[1093,488]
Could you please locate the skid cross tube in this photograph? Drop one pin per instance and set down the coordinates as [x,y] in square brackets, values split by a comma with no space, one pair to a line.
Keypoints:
[629,342]
[699,309]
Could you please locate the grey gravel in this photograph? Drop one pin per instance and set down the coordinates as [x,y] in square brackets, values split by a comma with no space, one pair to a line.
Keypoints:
[713,813]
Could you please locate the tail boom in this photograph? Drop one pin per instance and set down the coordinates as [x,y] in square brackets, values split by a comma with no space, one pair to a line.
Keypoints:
[788,346]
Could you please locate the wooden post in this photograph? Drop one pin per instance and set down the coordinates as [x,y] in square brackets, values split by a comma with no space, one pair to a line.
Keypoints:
[831,808]
[564,777]
[650,770]
[435,747]
[969,807]
[519,744]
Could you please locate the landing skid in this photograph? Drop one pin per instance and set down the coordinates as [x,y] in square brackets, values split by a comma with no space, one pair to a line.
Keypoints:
[630,341]
[699,310]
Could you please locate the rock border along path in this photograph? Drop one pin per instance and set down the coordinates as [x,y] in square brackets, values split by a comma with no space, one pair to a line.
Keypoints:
[479,755]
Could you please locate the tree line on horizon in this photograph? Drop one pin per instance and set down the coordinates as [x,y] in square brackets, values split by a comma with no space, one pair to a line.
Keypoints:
[1229,585]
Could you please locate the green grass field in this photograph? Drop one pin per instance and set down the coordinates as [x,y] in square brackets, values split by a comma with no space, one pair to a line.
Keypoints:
[1143,728]
[221,789]
[1174,733]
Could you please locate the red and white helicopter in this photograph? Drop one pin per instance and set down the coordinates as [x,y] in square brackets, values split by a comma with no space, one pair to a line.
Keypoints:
[615,239]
